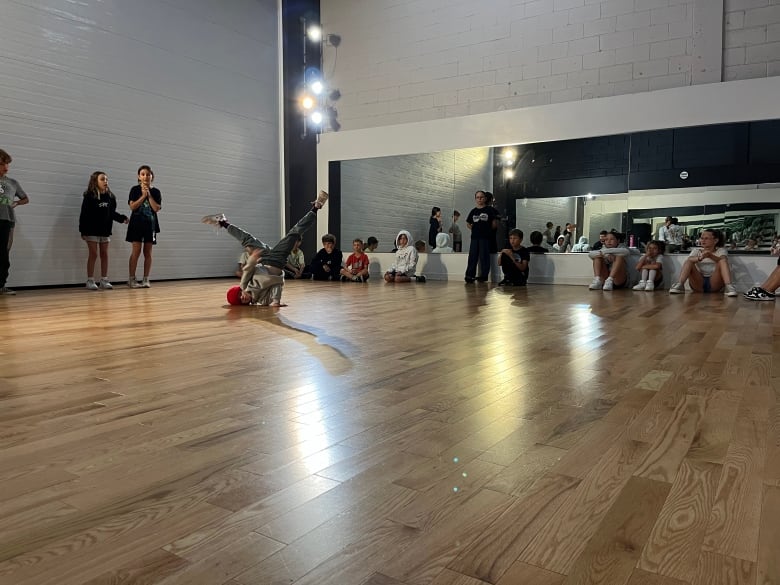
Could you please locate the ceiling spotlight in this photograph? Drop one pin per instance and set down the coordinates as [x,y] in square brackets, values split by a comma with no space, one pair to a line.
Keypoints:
[317,87]
[307,102]
[509,174]
[509,156]
[316,117]
[314,33]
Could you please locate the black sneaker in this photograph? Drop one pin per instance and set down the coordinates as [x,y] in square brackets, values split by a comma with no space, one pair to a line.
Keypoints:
[469,280]
[420,278]
[504,283]
[759,294]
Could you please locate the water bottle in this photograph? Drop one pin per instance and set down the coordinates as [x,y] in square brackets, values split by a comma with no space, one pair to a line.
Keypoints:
[631,241]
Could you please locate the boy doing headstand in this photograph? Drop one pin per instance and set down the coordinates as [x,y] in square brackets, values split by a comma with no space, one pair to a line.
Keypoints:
[263,277]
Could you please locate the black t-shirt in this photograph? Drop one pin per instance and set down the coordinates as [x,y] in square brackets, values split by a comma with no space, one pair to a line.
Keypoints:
[536,250]
[481,221]
[520,255]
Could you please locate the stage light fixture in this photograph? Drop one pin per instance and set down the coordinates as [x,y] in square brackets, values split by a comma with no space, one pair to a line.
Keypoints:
[307,102]
[314,32]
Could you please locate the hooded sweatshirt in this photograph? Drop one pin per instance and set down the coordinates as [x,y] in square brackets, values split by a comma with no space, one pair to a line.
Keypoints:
[263,287]
[581,246]
[442,244]
[406,257]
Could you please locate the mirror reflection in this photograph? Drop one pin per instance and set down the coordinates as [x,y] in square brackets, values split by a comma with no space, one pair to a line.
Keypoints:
[380,196]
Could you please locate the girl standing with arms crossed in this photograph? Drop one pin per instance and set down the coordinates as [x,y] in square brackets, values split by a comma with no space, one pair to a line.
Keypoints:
[98,212]
[145,202]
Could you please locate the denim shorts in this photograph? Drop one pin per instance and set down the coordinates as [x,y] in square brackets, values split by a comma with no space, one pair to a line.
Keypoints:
[98,239]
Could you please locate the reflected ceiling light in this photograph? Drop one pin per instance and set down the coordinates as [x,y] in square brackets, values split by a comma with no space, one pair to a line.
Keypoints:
[508,156]
[590,196]
[316,117]
[314,32]
[509,174]
[307,102]
[317,87]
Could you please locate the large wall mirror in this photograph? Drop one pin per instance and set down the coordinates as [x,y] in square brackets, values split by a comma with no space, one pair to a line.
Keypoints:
[722,176]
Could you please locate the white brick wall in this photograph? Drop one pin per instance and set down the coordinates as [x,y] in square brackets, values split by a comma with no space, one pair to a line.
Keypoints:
[750,44]
[524,53]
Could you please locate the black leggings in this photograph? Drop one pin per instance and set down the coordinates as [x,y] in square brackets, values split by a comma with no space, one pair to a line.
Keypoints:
[5,262]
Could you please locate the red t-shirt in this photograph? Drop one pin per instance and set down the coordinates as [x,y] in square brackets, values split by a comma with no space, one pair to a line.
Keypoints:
[357,263]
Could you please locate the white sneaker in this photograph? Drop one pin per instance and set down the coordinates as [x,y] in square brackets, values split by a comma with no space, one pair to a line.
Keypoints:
[730,290]
[640,285]
[649,286]
[609,284]
[596,284]
[214,219]
[105,284]
[322,197]
[145,283]
[676,289]
[91,284]
[132,282]
[7,291]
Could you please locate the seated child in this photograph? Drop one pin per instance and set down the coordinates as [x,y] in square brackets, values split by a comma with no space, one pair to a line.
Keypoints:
[371,244]
[419,245]
[356,268]
[405,265]
[582,245]
[442,244]
[536,246]
[263,279]
[609,264]
[707,268]
[327,263]
[649,267]
[295,263]
[514,260]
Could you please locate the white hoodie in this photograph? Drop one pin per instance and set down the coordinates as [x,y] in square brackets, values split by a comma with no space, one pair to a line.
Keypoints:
[442,244]
[406,257]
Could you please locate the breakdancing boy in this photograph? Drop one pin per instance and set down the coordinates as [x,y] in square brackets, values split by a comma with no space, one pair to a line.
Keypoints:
[263,275]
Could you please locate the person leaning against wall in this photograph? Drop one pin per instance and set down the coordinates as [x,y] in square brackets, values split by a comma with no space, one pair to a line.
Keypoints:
[11,196]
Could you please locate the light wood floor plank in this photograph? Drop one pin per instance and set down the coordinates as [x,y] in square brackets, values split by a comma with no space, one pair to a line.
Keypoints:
[676,539]
[612,553]
[170,438]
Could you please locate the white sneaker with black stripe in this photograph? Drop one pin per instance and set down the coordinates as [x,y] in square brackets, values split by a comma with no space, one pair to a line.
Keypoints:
[759,294]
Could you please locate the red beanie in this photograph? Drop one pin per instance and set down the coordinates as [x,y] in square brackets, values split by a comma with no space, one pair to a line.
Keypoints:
[234,295]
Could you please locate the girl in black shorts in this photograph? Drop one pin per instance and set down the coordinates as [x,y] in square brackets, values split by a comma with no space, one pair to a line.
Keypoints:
[145,202]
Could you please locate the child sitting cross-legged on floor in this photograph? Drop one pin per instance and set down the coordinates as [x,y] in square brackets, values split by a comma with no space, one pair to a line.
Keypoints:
[356,267]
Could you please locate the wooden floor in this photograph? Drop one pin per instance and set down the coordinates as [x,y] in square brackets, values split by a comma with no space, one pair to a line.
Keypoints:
[380,434]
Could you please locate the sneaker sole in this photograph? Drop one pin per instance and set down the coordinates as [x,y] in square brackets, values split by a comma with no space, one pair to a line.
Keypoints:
[759,298]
